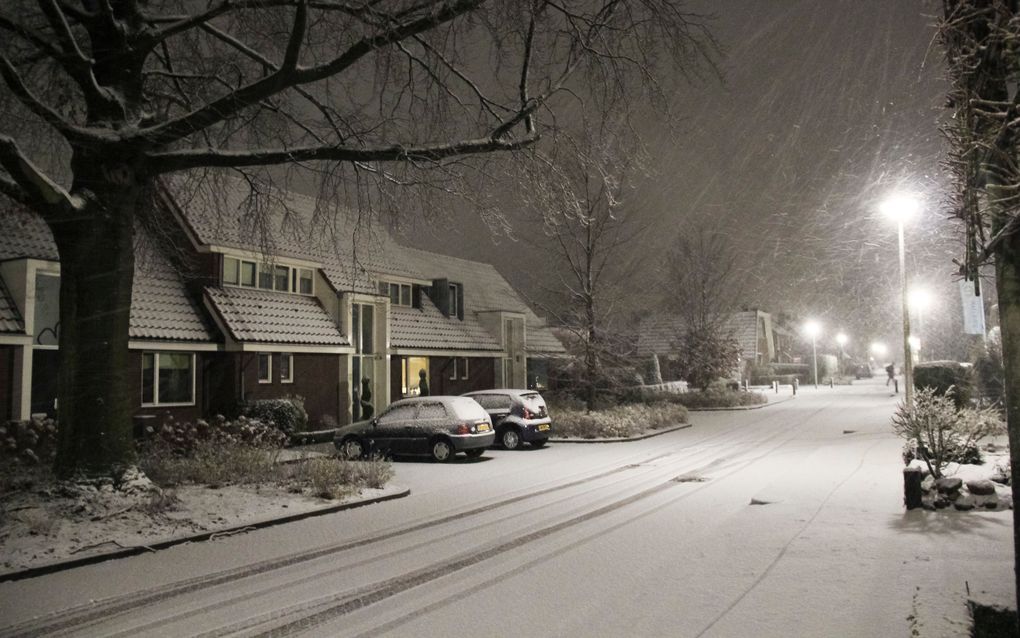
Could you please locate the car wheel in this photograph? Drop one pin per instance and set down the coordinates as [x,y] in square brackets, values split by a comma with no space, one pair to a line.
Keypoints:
[510,439]
[351,449]
[537,443]
[442,451]
[475,452]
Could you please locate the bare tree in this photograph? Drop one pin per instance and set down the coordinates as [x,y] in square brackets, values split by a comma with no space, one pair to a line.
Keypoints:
[980,39]
[577,193]
[704,289]
[105,96]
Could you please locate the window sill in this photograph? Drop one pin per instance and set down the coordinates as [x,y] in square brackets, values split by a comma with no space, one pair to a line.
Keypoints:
[168,405]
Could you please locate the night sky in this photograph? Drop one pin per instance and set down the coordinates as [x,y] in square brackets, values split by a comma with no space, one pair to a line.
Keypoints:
[825,108]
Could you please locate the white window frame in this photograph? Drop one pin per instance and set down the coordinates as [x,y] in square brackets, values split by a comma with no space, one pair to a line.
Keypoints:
[397,289]
[240,270]
[155,382]
[290,367]
[454,296]
[293,275]
[269,367]
[459,363]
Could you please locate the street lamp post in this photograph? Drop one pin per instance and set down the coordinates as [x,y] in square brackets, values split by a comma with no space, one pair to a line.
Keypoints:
[813,329]
[920,300]
[899,209]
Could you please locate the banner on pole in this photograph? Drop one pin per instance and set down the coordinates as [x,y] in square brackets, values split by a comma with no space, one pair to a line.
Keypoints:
[973,309]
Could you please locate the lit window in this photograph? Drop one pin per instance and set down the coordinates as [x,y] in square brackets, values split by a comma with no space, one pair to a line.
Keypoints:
[231,270]
[168,378]
[265,367]
[410,375]
[286,368]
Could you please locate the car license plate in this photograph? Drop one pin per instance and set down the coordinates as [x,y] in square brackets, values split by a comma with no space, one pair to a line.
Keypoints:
[484,427]
[543,427]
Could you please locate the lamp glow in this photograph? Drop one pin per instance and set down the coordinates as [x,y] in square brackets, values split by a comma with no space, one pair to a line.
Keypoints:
[900,208]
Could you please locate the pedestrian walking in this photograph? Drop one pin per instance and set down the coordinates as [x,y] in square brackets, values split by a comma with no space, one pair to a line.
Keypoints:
[891,371]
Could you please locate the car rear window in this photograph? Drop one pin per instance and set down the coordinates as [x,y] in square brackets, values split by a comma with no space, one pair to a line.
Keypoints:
[493,401]
[431,411]
[533,401]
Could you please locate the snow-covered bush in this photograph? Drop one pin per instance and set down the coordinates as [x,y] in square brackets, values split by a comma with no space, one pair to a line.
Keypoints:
[336,478]
[31,442]
[183,439]
[622,421]
[288,413]
[951,378]
[939,433]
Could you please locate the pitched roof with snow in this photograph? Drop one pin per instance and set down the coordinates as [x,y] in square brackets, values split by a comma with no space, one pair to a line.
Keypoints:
[658,333]
[352,255]
[161,307]
[263,316]
[10,319]
[427,328]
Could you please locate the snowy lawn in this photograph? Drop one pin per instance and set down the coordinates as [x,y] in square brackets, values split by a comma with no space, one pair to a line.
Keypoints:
[43,521]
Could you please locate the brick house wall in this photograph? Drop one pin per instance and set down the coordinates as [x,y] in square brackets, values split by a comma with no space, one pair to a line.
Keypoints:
[316,379]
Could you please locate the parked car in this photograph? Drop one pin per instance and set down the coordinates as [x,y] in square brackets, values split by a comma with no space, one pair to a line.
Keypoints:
[435,426]
[519,416]
[863,371]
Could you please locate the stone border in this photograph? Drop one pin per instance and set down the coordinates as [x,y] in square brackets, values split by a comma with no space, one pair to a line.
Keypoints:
[134,550]
[682,426]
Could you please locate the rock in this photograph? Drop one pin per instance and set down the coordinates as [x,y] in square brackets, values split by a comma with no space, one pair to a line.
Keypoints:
[982,500]
[964,503]
[946,485]
[928,484]
[942,503]
[992,505]
[981,487]
[999,478]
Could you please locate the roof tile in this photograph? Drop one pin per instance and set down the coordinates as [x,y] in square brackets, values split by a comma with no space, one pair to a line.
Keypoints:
[262,316]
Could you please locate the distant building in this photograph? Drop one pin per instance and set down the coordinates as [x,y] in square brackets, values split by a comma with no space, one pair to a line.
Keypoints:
[761,341]
[217,318]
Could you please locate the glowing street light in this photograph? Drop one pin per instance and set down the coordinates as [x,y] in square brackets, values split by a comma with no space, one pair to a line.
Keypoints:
[841,340]
[920,299]
[900,208]
[813,329]
[879,349]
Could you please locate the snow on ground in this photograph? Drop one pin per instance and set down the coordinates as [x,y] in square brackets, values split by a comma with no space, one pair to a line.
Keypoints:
[44,526]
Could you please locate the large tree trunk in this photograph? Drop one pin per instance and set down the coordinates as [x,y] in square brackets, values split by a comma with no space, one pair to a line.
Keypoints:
[1007,281]
[94,399]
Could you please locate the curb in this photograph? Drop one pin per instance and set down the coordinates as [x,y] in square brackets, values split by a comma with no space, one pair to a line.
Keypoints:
[743,407]
[674,428]
[134,550]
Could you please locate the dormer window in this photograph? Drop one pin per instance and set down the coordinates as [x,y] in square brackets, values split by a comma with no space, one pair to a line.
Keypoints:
[280,277]
[399,294]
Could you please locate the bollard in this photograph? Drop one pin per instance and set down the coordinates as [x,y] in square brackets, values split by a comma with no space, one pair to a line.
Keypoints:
[832,382]
[796,382]
[747,385]
[775,386]
[912,487]
[896,385]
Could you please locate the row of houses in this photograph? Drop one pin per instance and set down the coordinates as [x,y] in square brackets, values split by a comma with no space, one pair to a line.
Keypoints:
[344,317]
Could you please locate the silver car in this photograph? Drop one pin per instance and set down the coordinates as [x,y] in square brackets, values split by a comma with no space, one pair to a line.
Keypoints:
[437,426]
[519,416]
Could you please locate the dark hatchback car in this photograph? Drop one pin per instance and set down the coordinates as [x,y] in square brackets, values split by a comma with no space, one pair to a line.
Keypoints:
[519,416]
[437,427]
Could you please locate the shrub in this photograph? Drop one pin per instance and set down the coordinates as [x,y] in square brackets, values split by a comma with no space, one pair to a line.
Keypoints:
[943,376]
[705,355]
[31,442]
[989,375]
[802,371]
[336,478]
[208,462]
[618,422]
[761,375]
[717,397]
[288,413]
[182,439]
[939,433]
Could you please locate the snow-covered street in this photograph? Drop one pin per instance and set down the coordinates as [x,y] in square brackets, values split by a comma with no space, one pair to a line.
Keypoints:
[775,522]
